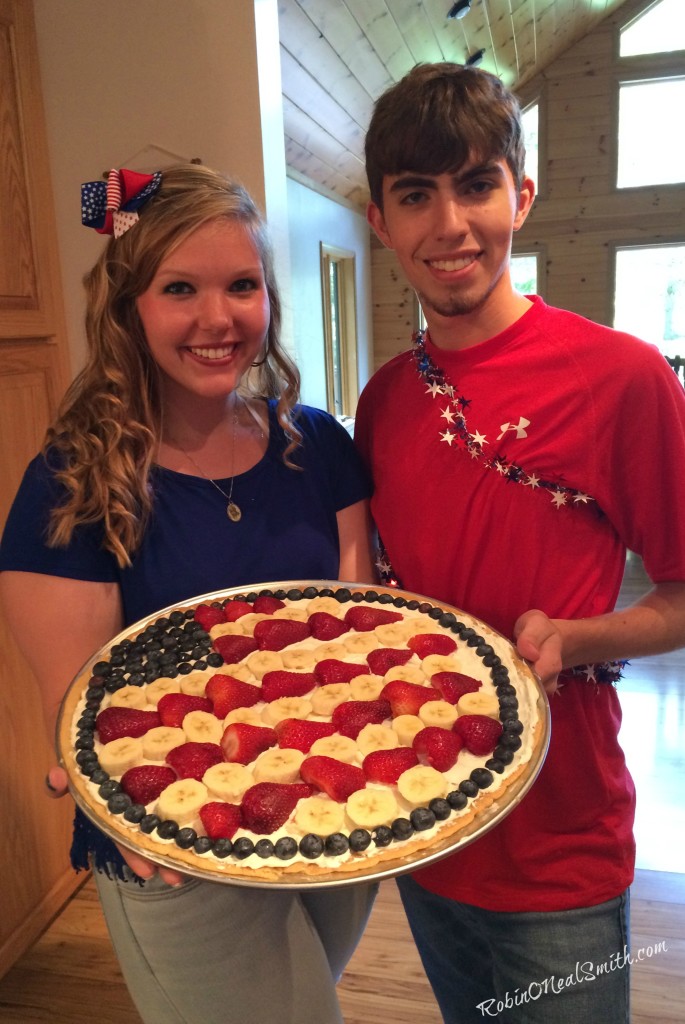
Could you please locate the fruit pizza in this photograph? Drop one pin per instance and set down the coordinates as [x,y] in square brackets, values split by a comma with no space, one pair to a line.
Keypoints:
[300,734]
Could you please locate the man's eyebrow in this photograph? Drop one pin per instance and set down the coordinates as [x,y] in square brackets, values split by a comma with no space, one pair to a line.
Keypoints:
[412,181]
[428,181]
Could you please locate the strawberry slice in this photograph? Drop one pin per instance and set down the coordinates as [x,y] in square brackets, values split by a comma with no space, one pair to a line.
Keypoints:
[173,707]
[234,647]
[114,722]
[220,820]
[331,670]
[144,782]
[437,747]
[282,683]
[385,658]
[227,693]
[387,765]
[424,644]
[243,742]
[191,760]
[275,634]
[207,615]
[268,805]
[300,734]
[364,619]
[336,778]
[406,698]
[235,610]
[325,626]
[267,605]
[351,717]
[453,685]
[480,733]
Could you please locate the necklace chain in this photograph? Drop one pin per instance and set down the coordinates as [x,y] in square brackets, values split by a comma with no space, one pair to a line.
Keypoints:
[233,511]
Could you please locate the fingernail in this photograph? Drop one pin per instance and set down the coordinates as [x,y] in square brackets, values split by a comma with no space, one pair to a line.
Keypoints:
[49,785]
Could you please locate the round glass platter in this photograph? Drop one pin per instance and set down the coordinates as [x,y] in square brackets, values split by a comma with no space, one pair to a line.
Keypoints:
[466,825]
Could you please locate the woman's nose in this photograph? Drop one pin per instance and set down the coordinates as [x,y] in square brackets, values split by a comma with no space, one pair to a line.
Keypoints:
[215,312]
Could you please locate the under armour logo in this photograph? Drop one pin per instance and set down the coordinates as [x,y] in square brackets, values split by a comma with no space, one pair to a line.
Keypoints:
[518,427]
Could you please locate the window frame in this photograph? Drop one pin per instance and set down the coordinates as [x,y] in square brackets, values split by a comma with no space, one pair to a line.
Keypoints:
[633,243]
[345,261]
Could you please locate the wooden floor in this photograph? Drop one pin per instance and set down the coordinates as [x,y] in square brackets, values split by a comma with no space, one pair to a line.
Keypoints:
[72,969]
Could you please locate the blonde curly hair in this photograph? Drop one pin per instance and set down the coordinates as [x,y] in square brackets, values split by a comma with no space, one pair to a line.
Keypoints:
[109,424]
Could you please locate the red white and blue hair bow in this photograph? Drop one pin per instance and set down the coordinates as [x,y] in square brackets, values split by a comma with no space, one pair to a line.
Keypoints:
[111,207]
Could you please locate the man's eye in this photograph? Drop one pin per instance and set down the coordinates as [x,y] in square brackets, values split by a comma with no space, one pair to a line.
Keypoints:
[481,187]
[412,198]
[177,288]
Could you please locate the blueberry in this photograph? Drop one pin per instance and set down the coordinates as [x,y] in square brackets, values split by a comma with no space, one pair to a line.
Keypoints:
[400,602]
[295,594]
[310,592]
[505,690]
[468,788]
[285,848]
[503,755]
[95,693]
[514,725]
[382,835]
[412,605]
[243,848]
[222,847]
[86,741]
[385,598]
[474,641]
[135,813]
[508,715]
[510,741]
[402,828]
[467,633]
[149,823]
[448,620]
[422,818]
[176,618]
[86,757]
[435,613]
[343,595]
[202,844]
[185,669]
[440,808]
[425,607]
[99,776]
[336,844]
[214,660]
[109,788]
[264,848]
[371,595]
[457,800]
[358,597]
[311,846]
[118,803]
[495,765]
[360,839]
[102,668]
[509,701]
[185,837]
[167,829]
[482,777]
[492,660]
[484,650]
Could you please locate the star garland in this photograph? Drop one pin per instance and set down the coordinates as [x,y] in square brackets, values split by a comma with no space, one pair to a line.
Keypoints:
[456,432]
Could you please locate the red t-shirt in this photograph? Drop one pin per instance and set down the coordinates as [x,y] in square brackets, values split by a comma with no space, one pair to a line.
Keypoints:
[564,446]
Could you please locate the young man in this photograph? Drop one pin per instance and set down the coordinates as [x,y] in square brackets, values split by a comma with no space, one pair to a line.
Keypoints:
[517,451]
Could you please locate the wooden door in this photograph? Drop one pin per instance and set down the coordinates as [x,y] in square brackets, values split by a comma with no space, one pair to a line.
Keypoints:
[34,839]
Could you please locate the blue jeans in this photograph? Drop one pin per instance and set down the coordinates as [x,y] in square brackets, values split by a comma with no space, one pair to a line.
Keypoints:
[565,967]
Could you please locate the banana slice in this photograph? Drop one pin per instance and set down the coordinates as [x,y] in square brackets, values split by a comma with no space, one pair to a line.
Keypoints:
[296,613]
[366,687]
[410,674]
[261,662]
[286,707]
[181,800]
[332,650]
[278,764]
[227,629]
[118,756]
[325,699]
[239,670]
[421,784]
[228,781]
[440,663]
[195,682]
[412,627]
[300,659]
[159,741]
[249,715]
[342,748]
[406,727]
[319,815]
[203,727]
[438,712]
[325,604]
[478,704]
[160,686]
[368,807]
[391,634]
[376,737]
[130,697]
[361,643]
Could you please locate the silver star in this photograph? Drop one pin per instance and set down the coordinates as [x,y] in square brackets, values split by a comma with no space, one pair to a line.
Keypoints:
[559,498]
[533,481]
[478,439]
[448,415]
[449,437]
[435,389]
[584,498]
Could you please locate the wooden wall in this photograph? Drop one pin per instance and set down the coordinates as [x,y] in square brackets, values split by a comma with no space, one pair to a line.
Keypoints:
[579,214]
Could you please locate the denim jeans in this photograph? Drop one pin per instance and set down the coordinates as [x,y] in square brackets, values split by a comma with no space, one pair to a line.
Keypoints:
[562,967]
[215,953]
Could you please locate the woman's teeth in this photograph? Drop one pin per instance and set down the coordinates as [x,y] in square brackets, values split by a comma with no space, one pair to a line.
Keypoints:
[213,353]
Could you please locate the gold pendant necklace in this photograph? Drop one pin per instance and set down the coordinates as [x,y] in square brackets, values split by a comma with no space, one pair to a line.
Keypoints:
[233,511]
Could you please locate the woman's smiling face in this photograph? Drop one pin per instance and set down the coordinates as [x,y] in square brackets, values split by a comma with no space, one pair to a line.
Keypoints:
[206,311]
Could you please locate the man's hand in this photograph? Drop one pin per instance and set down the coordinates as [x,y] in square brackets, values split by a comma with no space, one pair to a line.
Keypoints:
[539,641]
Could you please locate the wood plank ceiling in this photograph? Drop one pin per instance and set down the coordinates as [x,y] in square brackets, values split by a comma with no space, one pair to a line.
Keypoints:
[338,56]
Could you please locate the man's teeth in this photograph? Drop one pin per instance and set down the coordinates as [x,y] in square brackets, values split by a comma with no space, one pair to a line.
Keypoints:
[465,261]
[212,353]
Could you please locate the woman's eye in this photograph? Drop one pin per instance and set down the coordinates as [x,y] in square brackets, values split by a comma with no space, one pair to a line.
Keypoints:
[177,288]
[244,284]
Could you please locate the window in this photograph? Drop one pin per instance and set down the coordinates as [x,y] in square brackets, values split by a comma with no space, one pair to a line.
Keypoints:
[649,296]
[530,118]
[651,148]
[524,272]
[660,29]
[340,333]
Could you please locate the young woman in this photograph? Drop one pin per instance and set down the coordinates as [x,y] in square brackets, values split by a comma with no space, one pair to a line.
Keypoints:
[180,463]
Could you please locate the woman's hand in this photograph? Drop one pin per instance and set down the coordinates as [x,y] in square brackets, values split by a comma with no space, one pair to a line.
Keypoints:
[539,641]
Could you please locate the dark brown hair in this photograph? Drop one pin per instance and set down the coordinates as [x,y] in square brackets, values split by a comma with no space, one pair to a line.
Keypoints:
[437,117]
